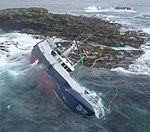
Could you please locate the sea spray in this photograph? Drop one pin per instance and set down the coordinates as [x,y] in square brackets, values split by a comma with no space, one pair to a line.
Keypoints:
[96,102]
[14,63]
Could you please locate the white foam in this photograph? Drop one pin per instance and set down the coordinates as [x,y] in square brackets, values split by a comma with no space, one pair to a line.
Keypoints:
[24,43]
[96,9]
[142,64]
[120,70]
[146,30]
[124,48]
[92,9]
[96,102]
[111,14]
[19,47]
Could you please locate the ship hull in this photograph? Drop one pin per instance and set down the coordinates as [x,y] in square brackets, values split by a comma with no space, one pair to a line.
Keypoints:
[69,97]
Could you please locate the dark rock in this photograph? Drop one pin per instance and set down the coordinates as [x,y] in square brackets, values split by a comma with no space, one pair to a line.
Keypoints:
[107,57]
[123,8]
[39,21]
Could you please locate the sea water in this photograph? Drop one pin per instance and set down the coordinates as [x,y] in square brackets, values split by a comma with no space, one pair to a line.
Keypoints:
[23,107]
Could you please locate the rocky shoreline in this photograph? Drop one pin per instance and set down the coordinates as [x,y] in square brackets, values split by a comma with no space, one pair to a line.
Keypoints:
[39,21]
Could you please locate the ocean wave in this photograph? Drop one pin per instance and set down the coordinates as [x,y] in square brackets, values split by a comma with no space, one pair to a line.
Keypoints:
[96,9]
[146,30]
[15,64]
[96,102]
[92,9]
[128,48]
[16,46]
[111,14]
[122,70]
[15,61]
[141,65]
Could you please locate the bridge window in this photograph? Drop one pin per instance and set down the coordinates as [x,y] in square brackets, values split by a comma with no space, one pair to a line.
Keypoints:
[59,60]
[63,64]
[66,67]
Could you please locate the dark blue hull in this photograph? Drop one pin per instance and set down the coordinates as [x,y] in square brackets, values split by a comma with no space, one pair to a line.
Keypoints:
[68,96]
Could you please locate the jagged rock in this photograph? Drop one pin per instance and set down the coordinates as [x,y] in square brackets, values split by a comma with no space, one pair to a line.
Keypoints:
[107,57]
[123,8]
[39,21]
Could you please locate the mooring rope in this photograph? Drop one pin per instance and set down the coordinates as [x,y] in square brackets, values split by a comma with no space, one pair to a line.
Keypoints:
[81,64]
[112,86]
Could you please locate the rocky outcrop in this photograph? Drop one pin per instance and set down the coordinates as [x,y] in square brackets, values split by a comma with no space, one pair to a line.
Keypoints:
[105,57]
[39,21]
[123,8]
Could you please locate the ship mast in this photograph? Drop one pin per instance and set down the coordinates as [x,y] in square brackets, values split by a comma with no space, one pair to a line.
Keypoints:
[71,48]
